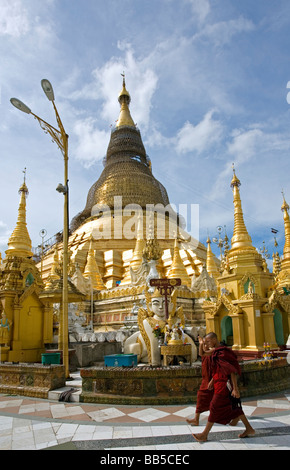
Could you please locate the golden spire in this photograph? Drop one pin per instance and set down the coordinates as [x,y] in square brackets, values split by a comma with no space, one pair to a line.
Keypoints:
[286,251]
[241,240]
[124,99]
[19,243]
[53,271]
[92,271]
[137,257]
[211,267]
[178,269]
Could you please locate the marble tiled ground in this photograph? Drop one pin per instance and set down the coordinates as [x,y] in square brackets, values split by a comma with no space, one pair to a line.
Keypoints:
[31,424]
[108,414]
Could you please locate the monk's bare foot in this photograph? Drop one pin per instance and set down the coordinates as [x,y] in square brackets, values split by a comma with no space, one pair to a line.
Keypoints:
[234,422]
[247,433]
[200,437]
[193,422]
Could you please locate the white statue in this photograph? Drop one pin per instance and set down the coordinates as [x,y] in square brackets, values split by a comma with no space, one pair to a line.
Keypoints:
[154,327]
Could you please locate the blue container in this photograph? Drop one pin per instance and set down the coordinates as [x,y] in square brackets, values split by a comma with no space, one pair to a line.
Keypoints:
[50,358]
[119,360]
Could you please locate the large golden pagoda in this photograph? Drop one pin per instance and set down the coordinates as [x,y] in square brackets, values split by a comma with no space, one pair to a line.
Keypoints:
[116,236]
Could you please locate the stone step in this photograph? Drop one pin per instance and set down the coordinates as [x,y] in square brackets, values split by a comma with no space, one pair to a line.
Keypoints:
[75,382]
[74,397]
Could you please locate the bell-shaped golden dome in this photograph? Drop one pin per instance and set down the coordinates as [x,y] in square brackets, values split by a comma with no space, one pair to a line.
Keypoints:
[127,173]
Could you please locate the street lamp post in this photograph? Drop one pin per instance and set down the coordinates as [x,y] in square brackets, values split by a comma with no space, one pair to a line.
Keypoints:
[60,137]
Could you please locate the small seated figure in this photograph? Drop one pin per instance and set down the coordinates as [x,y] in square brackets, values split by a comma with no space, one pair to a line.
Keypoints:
[5,330]
[156,329]
[177,335]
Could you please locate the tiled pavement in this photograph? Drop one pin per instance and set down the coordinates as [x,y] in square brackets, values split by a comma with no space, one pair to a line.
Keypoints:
[32,424]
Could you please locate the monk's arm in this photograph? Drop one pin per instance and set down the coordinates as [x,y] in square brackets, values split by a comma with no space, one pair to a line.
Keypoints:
[235,392]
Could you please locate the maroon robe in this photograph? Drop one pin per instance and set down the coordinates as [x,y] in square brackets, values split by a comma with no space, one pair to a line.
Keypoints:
[204,395]
[223,363]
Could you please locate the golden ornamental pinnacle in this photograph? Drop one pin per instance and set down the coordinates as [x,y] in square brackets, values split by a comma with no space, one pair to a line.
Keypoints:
[91,270]
[124,99]
[286,251]
[152,250]
[211,267]
[19,243]
[178,269]
[241,239]
[235,180]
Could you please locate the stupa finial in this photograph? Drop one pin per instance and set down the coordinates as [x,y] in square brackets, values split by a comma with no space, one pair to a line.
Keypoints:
[124,99]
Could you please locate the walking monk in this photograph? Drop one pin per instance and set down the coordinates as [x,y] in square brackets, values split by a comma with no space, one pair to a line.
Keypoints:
[204,394]
[224,367]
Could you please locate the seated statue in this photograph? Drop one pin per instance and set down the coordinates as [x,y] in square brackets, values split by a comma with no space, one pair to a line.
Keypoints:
[154,328]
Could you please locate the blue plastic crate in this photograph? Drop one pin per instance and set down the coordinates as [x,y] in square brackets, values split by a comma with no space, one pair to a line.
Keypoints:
[119,360]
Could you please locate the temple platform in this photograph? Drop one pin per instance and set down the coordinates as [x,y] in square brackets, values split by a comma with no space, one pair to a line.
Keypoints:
[145,385]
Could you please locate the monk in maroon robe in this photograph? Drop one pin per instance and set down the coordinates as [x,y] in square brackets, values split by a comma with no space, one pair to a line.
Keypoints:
[225,407]
[204,394]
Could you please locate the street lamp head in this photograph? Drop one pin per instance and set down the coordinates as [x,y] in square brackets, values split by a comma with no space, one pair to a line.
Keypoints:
[47,88]
[19,105]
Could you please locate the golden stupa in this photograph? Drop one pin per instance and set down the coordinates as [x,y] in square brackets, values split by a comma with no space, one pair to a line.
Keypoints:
[253,305]
[113,250]
[112,239]
[28,318]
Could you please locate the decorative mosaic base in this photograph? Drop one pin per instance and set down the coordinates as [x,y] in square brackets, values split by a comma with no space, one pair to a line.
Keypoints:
[32,380]
[175,384]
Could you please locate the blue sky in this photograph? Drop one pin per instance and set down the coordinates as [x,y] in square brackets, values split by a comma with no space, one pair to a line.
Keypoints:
[208,81]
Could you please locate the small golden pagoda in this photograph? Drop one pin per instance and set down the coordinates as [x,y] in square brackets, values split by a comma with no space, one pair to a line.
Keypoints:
[26,323]
[283,276]
[211,266]
[279,298]
[244,314]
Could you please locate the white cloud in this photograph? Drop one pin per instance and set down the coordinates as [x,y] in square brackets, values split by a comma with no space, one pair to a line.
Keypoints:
[92,142]
[13,18]
[246,144]
[200,137]
[253,153]
[4,236]
[221,33]
[200,8]
[141,81]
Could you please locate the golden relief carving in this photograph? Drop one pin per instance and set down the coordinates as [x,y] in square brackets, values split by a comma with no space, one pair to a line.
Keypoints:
[274,301]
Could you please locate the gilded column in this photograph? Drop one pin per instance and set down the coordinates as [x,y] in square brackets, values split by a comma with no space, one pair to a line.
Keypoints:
[238,331]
